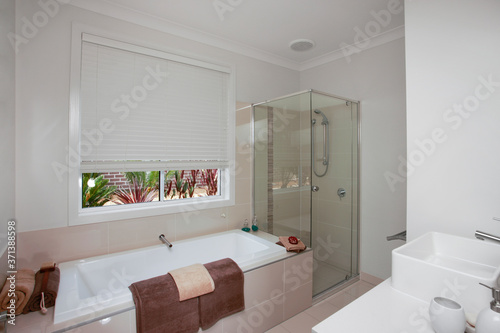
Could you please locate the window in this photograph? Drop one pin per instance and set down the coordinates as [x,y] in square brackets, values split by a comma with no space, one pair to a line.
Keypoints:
[124,188]
[154,132]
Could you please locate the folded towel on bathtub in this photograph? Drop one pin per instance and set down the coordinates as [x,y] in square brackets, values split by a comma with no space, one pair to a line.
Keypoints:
[46,282]
[192,281]
[25,283]
[228,297]
[283,241]
[158,309]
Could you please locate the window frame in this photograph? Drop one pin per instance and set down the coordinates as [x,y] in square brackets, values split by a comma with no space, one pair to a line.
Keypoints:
[79,215]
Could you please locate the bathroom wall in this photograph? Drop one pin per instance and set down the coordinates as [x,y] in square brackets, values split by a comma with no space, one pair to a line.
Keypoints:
[453,112]
[43,64]
[7,84]
[376,77]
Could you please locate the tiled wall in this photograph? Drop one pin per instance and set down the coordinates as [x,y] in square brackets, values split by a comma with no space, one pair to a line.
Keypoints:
[287,151]
[70,243]
[282,202]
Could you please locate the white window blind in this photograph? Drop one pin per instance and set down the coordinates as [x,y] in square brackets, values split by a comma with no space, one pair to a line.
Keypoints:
[142,109]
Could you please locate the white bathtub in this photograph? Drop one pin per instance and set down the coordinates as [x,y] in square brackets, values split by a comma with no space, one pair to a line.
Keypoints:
[97,287]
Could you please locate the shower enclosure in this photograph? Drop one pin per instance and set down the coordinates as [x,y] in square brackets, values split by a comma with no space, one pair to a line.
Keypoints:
[306,178]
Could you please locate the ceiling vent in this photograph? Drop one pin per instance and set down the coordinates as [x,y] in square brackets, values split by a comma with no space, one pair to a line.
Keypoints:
[301,45]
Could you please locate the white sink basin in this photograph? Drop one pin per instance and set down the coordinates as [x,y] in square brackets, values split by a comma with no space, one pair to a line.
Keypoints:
[438,264]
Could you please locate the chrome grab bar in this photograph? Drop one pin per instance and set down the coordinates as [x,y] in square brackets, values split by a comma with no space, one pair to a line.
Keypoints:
[400,236]
[164,240]
[483,236]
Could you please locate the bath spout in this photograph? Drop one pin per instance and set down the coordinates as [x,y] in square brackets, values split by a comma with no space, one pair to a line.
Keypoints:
[165,241]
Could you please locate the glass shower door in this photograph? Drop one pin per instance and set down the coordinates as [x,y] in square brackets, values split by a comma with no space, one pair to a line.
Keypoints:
[334,197]
[305,178]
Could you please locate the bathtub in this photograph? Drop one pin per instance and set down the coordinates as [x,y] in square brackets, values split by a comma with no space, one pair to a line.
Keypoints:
[97,287]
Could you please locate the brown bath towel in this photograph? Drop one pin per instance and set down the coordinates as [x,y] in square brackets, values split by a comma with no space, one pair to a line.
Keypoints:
[48,283]
[25,283]
[228,297]
[158,309]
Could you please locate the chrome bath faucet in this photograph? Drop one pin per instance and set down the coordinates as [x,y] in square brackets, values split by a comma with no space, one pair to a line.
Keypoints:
[164,240]
[483,236]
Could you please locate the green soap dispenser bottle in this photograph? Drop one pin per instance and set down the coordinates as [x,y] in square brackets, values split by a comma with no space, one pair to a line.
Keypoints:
[254,223]
[488,320]
[245,226]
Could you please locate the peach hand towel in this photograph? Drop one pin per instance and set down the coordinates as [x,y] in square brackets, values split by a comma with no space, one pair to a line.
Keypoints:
[25,283]
[192,281]
[300,246]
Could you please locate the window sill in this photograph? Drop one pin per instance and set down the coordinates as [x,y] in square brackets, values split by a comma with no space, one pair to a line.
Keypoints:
[139,210]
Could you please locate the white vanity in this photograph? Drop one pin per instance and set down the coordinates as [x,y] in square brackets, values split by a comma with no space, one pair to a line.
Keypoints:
[434,264]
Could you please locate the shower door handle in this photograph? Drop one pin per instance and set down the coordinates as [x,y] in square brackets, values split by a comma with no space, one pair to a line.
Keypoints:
[315,188]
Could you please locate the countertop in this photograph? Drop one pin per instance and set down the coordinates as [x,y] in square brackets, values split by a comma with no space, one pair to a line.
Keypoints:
[381,310]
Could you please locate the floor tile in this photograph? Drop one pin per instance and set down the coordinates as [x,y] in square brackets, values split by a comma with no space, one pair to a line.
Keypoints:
[341,299]
[322,310]
[278,329]
[300,323]
[359,288]
[304,321]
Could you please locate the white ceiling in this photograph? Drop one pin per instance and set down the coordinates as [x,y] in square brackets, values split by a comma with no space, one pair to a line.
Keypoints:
[266,27]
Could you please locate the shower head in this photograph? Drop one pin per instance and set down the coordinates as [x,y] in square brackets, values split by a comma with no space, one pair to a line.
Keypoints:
[325,119]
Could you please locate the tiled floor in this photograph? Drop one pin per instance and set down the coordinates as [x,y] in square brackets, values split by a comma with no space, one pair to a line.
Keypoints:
[304,321]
